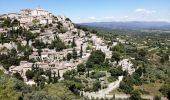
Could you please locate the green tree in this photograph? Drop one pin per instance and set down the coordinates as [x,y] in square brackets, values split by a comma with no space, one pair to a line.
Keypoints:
[115,56]
[73,43]
[18,76]
[40,80]
[81,68]
[142,52]
[119,48]
[57,44]
[29,36]
[29,74]
[48,73]
[39,51]
[69,56]
[96,86]
[39,44]
[126,87]
[81,51]
[69,75]
[139,71]
[15,22]
[74,54]
[6,22]
[96,57]
[135,95]
[116,71]
[164,58]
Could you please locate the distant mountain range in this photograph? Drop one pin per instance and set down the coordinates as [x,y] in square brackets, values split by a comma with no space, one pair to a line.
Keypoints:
[131,25]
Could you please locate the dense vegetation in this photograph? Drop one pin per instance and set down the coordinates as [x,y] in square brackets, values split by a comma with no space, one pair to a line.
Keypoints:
[20,91]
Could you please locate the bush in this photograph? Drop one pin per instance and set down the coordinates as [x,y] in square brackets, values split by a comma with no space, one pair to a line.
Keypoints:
[18,76]
[111,79]
[127,88]
[165,89]
[97,75]
[116,71]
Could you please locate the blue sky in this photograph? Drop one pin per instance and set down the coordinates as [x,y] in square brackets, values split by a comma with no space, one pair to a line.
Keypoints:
[97,10]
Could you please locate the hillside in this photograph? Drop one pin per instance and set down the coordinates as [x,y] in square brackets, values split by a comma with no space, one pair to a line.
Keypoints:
[47,57]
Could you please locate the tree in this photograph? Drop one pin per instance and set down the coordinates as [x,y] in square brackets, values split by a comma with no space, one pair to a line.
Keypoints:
[29,36]
[27,51]
[164,58]
[126,87]
[69,74]
[39,44]
[81,68]
[74,54]
[40,80]
[115,56]
[48,73]
[39,51]
[7,22]
[96,86]
[168,95]
[29,74]
[106,63]
[119,48]
[94,31]
[3,38]
[81,51]
[15,22]
[165,89]
[135,95]
[139,71]
[69,56]
[116,71]
[73,43]
[18,76]
[142,52]
[55,79]
[96,57]
[57,44]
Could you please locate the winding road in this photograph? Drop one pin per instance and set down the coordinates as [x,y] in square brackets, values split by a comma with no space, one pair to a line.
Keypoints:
[102,93]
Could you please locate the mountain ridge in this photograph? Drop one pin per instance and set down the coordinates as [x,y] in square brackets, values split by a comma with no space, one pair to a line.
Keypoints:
[131,25]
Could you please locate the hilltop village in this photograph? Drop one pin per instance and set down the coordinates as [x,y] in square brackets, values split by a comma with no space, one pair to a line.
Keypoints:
[40,48]
[54,42]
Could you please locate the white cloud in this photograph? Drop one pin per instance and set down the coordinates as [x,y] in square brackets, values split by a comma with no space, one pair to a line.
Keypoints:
[92,17]
[141,10]
[109,17]
[136,15]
